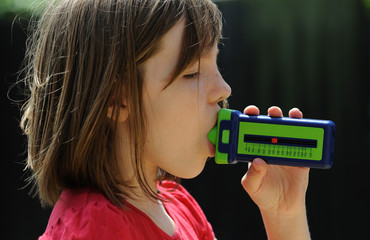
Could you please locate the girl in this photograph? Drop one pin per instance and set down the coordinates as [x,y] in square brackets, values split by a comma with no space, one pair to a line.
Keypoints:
[122,96]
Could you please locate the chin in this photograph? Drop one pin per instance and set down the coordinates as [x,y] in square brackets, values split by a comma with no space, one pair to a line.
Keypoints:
[193,172]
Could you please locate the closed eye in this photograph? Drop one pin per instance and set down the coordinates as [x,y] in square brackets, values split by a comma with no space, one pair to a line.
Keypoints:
[191,75]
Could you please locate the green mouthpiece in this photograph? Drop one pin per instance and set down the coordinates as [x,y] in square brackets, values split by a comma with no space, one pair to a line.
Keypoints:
[212,135]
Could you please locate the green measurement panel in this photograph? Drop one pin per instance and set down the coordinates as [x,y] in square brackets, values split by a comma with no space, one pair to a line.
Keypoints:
[284,141]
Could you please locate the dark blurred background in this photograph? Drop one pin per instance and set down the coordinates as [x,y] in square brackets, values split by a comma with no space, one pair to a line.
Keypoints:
[310,54]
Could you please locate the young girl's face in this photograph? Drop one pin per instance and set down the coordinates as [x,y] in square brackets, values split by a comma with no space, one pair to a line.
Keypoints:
[180,116]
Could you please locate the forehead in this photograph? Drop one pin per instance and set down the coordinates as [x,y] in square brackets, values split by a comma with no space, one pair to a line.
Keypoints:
[171,43]
[164,63]
[165,59]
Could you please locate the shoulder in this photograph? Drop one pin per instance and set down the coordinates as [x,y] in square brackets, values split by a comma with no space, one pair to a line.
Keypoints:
[177,194]
[86,214]
[169,188]
[186,211]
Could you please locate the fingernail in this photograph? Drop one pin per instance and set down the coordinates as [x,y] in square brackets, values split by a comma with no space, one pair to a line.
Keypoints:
[257,163]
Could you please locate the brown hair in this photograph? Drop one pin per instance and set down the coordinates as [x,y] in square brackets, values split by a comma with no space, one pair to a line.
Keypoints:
[80,55]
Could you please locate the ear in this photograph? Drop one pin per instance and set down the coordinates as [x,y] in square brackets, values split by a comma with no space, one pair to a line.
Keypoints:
[122,111]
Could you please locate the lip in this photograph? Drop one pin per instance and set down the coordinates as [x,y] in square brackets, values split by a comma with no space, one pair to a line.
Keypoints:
[212,149]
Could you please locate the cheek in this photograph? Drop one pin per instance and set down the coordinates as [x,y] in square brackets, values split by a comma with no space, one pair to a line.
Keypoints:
[175,134]
[174,143]
[175,140]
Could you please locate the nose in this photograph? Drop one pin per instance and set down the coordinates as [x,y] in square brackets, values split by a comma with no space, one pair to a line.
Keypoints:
[220,90]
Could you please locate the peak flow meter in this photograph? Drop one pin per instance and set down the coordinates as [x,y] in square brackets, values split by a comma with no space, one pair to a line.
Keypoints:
[281,141]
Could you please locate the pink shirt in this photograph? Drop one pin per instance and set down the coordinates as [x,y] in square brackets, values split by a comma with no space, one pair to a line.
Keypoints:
[87,214]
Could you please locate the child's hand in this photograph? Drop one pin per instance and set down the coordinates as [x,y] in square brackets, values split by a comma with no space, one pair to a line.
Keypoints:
[279,191]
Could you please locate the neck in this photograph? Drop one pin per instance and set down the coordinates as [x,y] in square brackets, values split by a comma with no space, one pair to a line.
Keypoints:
[154,209]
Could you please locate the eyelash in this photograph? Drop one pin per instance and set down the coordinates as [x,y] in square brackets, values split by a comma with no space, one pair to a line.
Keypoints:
[191,76]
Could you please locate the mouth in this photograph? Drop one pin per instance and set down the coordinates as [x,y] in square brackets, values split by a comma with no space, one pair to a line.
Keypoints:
[212,149]
[211,139]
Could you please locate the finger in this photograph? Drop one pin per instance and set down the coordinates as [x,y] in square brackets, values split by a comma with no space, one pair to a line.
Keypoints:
[252,110]
[252,180]
[295,113]
[275,111]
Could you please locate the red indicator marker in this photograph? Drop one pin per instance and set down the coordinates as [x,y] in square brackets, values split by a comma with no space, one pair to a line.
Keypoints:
[274,140]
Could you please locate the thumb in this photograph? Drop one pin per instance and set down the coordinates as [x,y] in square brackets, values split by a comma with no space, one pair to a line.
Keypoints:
[252,180]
